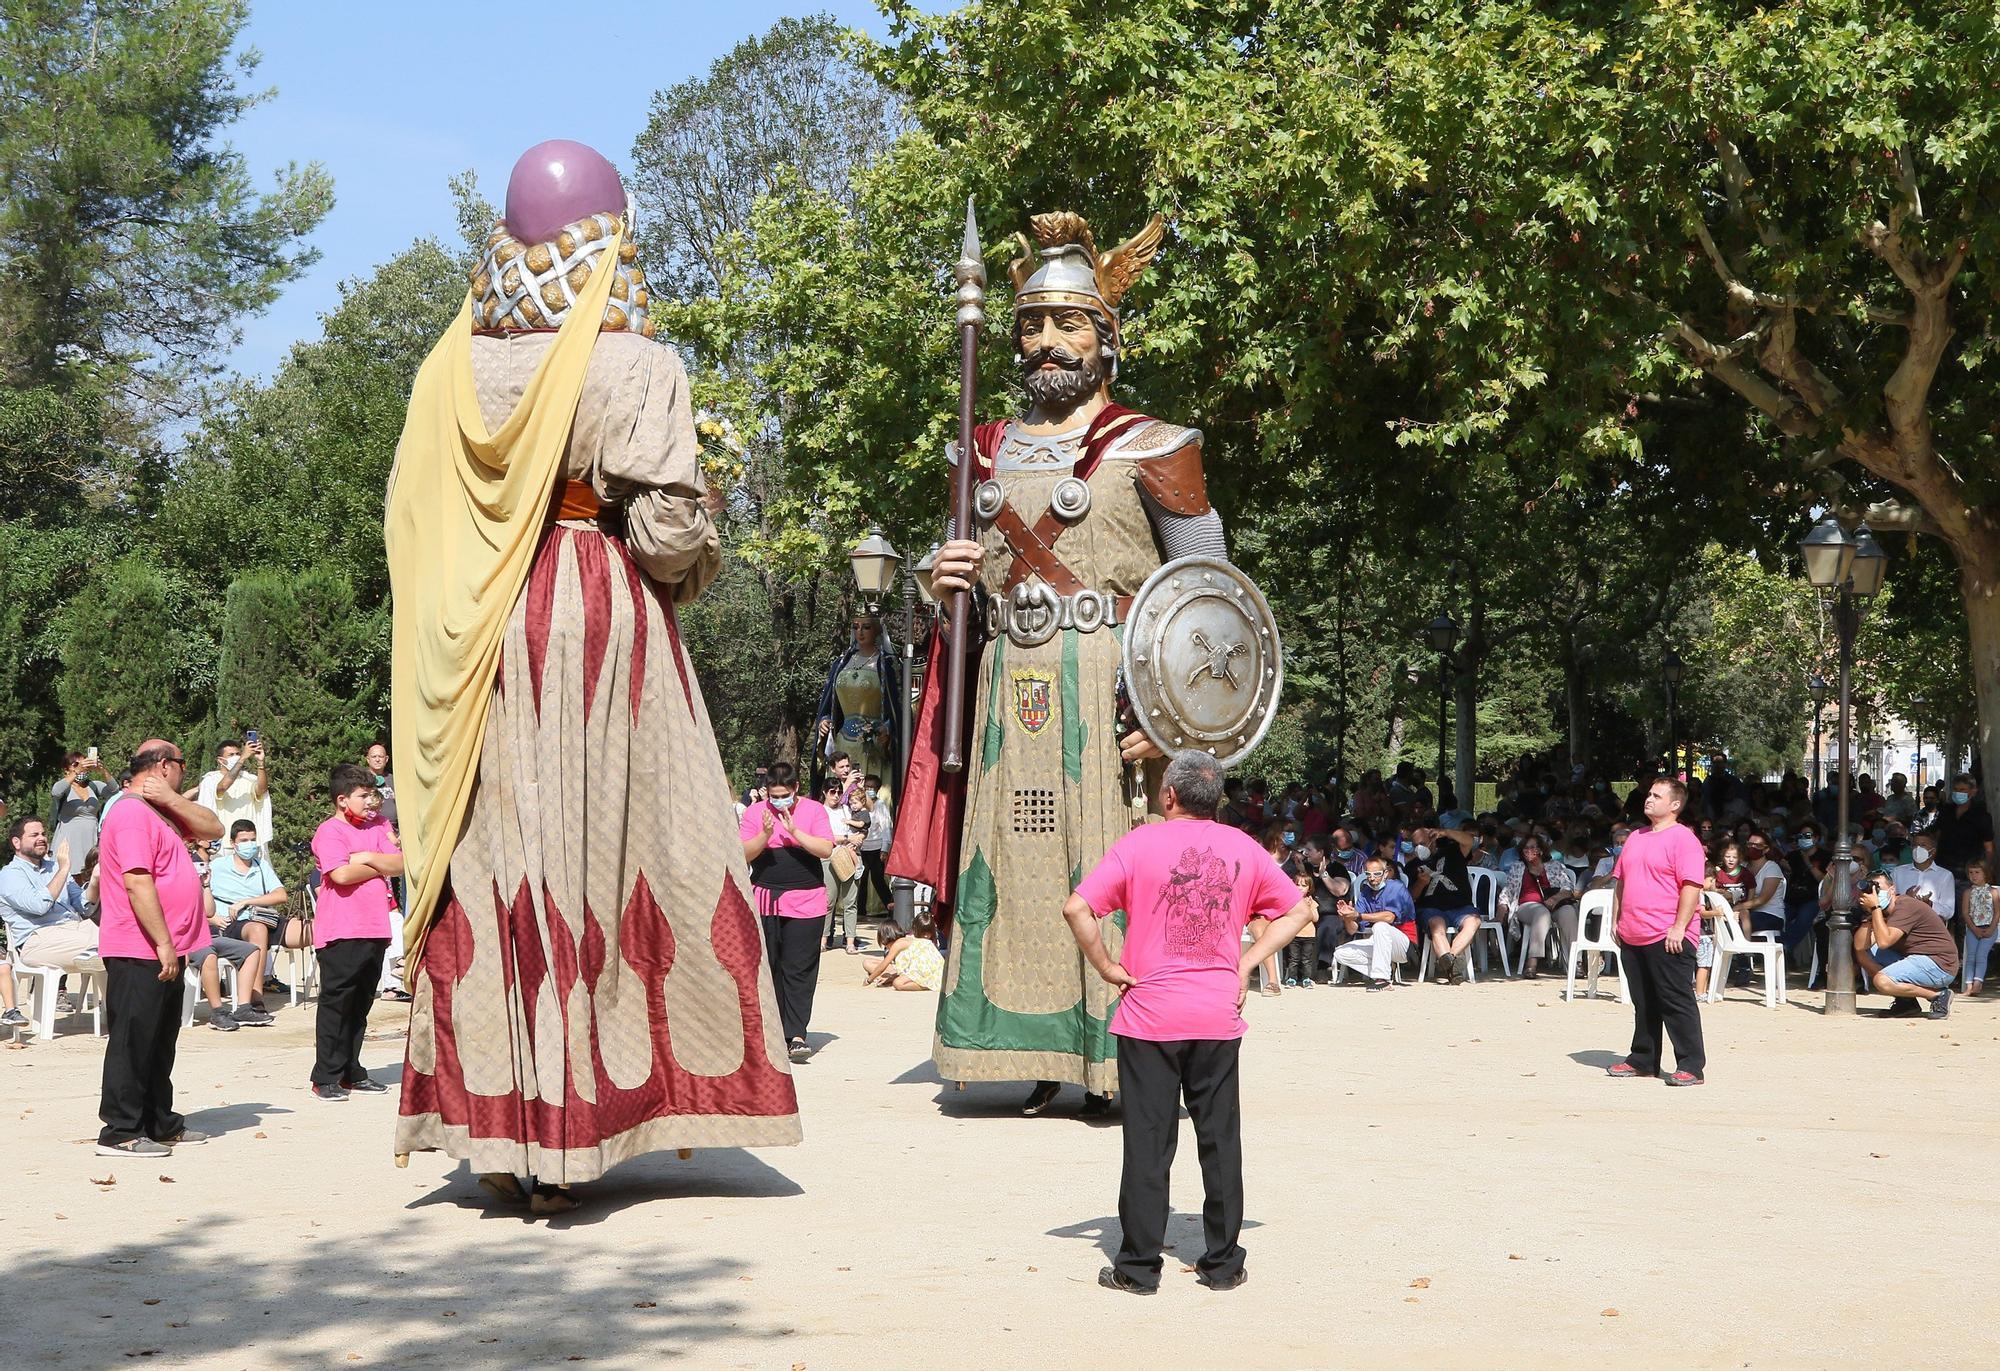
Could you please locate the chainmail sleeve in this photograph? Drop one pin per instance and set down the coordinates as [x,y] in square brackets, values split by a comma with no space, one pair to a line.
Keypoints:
[1188,535]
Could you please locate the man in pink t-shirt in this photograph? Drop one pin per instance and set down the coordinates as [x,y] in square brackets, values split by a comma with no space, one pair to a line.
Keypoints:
[1658,881]
[786,838]
[1188,887]
[357,856]
[152,917]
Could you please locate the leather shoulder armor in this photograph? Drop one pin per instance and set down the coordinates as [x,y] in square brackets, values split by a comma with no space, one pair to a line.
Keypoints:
[1174,480]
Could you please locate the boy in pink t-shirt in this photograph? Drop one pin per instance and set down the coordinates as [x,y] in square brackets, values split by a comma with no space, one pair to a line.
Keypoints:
[357,856]
[1188,888]
[1660,874]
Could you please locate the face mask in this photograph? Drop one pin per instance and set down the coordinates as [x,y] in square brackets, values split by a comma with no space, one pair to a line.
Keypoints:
[1423,852]
[1960,797]
[782,802]
[1555,856]
[1290,837]
[247,851]
[380,779]
[1617,848]
[1808,844]
[231,763]
[1921,856]
[1375,882]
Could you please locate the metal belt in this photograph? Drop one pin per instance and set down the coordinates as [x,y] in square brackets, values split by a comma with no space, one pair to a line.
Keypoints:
[1031,613]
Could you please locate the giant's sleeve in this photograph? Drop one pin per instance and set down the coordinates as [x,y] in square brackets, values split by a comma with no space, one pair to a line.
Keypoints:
[654,469]
[1176,496]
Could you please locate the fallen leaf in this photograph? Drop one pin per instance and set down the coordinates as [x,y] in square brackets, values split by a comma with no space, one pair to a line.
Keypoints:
[1611,1313]
[1421,1283]
[62,1216]
[107,1182]
[354,1356]
[743,1278]
[154,1300]
[177,1325]
[1410,1299]
[451,1313]
[489,1339]
[1515,1257]
[645,1304]
[798,1366]
[843,1268]
[1034,1268]
[260,1133]
[1186,1269]
[166,1180]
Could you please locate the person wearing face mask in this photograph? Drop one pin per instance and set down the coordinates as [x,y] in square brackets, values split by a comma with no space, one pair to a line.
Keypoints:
[1380,923]
[1964,830]
[1925,877]
[239,787]
[786,839]
[250,904]
[1442,888]
[1538,892]
[1903,950]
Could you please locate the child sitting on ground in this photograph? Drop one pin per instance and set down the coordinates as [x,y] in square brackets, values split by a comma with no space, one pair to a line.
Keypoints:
[1980,926]
[911,962]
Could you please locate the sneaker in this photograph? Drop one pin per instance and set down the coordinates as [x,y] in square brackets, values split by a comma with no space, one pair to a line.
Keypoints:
[134,1147]
[1094,1106]
[1684,1078]
[1904,1008]
[1040,1098]
[1941,1006]
[1377,985]
[274,986]
[1291,984]
[1305,983]
[222,1021]
[329,1092]
[799,1050]
[367,1085]
[1625,1071]
[187,1137]
[1111,1278]
[13,1018]
[1224,1282]
[250,1016]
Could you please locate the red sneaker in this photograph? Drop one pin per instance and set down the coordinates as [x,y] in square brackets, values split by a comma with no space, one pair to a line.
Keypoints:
[1625,1071]
[1684,1078]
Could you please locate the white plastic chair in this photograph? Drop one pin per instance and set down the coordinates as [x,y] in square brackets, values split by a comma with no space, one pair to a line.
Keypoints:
[45,994]
[1595,904]
[1486,894]
[1396,976]
[1730,941]
[191,988]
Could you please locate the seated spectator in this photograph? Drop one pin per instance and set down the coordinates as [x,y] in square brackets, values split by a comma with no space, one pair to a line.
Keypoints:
[911,962]
[1538,892]
[1346,849]
[1600,875]
[206,962]
[1963,829]
[1279,848]
[250,905]
[76,804]
[1926,878]
[1904,950]
[1442,888]
[1764,900]
[10,1009]
[1976,912]
[1379,922]
[42,906]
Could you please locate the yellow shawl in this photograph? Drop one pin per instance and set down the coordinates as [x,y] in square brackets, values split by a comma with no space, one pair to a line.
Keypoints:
[466,511]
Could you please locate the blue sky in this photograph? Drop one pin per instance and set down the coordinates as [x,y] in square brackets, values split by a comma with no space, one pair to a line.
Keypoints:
[388,97]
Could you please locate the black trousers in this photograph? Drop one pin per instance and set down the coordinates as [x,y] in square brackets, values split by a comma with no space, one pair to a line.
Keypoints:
[349,971]
[142,1022]
[793,947]
[1154,1077]
[1663,996]
[877,875]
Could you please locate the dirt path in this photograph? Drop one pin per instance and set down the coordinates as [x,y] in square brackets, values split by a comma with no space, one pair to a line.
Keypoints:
[1437,1178]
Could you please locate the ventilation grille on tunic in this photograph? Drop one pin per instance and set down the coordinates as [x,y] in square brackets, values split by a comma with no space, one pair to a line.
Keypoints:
[1034,811]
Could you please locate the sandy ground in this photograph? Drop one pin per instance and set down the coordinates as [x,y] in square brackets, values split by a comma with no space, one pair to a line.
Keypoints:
[1437,1177]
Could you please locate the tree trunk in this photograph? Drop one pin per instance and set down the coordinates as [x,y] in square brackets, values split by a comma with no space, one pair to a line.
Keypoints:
[1980,578]
[1465,690]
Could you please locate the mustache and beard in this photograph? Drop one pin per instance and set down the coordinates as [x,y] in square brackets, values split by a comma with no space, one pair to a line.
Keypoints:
[1074,380]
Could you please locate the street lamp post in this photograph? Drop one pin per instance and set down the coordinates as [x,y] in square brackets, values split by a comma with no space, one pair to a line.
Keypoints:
[1917,727]
[1816,687]
[1673,671]
[1442,634]
[1852,565]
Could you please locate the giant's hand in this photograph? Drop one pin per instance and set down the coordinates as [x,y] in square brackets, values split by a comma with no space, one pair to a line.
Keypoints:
[957,566]
[1137,747]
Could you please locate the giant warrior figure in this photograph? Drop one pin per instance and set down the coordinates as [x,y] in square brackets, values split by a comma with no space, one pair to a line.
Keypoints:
[588,974]
[1077,504]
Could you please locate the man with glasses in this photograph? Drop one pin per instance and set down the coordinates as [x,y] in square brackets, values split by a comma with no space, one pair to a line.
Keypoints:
[151,898]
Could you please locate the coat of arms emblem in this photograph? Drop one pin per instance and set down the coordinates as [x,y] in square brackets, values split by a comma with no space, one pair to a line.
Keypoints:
[1031,699]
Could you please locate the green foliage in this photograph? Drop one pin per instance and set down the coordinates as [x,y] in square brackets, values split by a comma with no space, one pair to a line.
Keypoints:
[306,666]
[138,658]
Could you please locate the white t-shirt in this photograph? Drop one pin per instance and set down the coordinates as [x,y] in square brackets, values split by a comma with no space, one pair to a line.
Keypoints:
[1776,904]
[1933,881]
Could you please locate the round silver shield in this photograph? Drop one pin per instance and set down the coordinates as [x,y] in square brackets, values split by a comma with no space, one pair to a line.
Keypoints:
[1203,662]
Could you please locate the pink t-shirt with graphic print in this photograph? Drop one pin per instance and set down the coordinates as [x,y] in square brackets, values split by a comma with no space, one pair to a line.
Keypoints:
[1653,866]
[1188,887]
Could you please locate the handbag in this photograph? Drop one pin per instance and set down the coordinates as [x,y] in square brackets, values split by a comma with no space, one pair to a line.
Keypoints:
[845,862]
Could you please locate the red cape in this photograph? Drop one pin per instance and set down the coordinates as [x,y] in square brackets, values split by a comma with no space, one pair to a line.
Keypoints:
[931,814]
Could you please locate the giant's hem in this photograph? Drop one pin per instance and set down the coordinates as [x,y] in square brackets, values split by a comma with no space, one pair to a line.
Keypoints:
[569,1166]
[979,1064]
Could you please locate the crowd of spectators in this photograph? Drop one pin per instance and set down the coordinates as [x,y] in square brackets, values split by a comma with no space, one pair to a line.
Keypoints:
[1391,865]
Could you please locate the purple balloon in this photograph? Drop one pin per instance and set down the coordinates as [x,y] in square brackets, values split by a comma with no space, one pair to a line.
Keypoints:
[557,183]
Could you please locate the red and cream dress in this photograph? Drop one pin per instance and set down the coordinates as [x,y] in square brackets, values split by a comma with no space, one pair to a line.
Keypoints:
[594,986]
